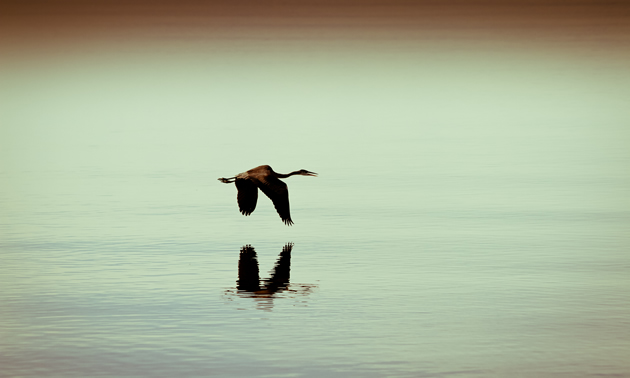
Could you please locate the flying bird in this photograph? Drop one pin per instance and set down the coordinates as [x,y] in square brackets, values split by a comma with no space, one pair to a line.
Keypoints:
[265,179]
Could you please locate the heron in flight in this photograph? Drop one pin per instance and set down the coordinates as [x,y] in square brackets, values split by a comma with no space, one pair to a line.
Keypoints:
[269,182]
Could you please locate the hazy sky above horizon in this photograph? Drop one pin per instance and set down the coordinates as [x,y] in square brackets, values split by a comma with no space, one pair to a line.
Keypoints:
[88,67]
[589,24]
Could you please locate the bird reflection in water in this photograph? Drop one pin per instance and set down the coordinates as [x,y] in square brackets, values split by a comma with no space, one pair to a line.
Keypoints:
[249,284]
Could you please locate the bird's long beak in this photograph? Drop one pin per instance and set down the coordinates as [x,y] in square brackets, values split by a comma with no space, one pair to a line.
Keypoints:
[309,173]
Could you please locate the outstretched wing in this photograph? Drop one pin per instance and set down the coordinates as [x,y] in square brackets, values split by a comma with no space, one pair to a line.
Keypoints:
[277,191]
[281,273]
[248,277]
[247,195]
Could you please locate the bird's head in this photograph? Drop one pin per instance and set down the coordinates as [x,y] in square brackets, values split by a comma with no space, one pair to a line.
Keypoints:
[304,172]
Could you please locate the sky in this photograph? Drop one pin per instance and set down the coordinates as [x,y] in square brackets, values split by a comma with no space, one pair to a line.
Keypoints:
[586,24]
[304,62]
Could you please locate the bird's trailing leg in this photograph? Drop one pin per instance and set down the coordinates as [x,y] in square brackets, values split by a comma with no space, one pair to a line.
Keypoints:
[227,180]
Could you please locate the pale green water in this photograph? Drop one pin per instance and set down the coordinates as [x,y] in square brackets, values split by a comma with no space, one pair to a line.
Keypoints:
[470,217]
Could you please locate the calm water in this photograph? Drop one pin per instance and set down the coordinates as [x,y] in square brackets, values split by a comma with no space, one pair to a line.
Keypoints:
[470,217]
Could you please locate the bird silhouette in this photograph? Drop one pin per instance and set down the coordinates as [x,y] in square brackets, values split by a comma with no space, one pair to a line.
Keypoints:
[266,291]
[265,179]
[249,277]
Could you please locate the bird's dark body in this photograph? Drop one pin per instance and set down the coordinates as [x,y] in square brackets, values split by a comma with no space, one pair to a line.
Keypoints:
[264,178]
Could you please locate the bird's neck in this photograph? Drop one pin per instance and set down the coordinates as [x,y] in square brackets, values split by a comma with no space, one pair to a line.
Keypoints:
[281,175]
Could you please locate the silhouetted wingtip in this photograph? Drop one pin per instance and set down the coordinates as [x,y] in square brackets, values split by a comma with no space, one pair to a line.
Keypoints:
[288,222]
